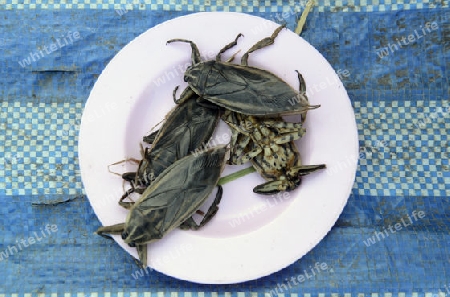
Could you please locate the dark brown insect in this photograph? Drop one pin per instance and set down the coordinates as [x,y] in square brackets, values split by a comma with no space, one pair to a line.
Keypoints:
[187,126]
[269,144]
[242,88]
[171,200]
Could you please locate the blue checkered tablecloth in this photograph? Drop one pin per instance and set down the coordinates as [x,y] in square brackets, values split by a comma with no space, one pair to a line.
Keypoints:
[400,94]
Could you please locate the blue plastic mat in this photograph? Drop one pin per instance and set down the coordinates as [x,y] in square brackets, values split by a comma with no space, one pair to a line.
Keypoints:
[393,238]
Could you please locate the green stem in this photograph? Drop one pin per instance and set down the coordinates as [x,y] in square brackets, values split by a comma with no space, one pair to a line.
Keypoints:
[302,20]
[236,175]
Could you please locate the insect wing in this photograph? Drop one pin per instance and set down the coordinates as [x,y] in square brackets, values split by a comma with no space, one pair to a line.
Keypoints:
[181,189]
[188,117]
[186,128]
[246,89]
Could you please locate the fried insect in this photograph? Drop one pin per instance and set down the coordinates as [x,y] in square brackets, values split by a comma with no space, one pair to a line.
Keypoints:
[242,88]
[269,144]
[171,200]
[187,126]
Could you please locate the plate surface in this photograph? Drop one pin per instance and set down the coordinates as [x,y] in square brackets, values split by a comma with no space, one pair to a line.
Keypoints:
[252,235]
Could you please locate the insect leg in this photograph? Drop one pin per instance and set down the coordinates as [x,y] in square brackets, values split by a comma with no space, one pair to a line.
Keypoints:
[281,126]
[212,210]
[287,137]
[302,84]
[151,137]
[114,229]
[129,176]
[128,205]
[195,52]
[302,90]
[118,229]
[120,162]
[291,181]
[185,95]
[234,123]
[240,140]
[237,155]
[248,156]
[261,44]
[186,225]
[228,46]
[126,160]
[271,187]
[142,253]
[303,170]
[231,59]
[238,144]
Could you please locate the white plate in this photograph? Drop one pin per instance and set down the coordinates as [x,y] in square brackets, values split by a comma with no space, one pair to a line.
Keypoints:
[252,235]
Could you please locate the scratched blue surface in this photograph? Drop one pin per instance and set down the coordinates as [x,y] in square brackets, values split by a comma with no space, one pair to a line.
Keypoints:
[403,169]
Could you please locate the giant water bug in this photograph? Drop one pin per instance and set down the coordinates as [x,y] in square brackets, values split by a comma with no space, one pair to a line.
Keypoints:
[171,200]
[186,127]
[242,88]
